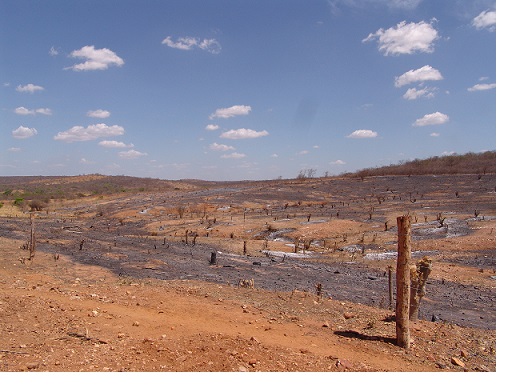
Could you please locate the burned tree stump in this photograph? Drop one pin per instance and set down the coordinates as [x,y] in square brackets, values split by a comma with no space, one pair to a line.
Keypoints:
[403,281]
[419,274]
[213,258]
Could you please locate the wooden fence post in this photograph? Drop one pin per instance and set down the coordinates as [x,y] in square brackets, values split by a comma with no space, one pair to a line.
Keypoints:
[403,281]
[31,245]
[390,287]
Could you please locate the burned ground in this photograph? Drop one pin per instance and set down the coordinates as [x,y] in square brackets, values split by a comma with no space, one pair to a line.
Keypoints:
[345,230]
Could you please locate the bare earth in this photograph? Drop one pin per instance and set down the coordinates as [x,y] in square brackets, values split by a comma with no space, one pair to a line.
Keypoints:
[140,294]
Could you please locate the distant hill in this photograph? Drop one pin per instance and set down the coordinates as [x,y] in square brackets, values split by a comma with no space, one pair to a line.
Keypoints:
[469,163]
[19,189]
[72,187]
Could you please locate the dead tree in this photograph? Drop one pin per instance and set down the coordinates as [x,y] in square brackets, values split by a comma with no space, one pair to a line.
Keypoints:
[403,281]
[419,274]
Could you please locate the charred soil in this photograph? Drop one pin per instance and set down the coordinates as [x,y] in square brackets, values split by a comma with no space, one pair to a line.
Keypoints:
[125,282]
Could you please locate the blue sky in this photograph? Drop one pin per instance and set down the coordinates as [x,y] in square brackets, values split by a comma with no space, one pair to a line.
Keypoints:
[240,90]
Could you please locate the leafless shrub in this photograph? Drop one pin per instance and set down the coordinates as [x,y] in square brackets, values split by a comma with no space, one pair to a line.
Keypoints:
[36,205]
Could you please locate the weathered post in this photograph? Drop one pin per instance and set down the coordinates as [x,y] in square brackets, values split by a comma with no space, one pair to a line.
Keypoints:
[390,286]
[403,281]
[31,245]
[213,258]
[244,248]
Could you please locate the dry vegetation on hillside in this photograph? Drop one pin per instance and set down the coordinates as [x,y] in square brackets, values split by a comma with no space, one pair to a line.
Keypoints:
[469,163]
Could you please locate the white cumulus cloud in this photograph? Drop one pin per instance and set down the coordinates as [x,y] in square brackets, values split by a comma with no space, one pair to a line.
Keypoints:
[189,43]
[405,38]
[231,111]
[363,134]
[212,127]
[131,154]
[95,59]
[220,147]
[481,87]
[30,88]
[233,155]
[486,19]
[80,133]
[243,134]
[115,144]
[436,118]
[26,111]
[337,162]
[425,73]
[24,132]
[413,93]
[43,111]
[98,114]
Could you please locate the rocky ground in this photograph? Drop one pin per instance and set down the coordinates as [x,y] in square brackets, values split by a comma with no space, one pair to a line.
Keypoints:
[124,283]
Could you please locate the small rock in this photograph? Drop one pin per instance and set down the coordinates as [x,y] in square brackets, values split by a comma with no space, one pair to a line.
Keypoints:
[326,324]
[135,323]
[348,315]
[243,369]
[121,335]
[32,366]
[464,354]
[458,362]
[252,362]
